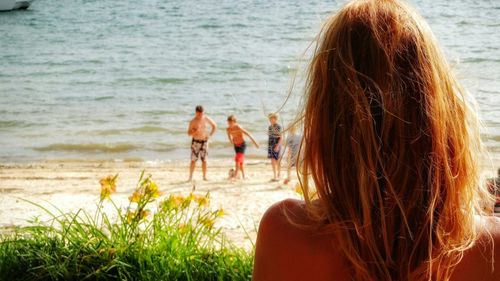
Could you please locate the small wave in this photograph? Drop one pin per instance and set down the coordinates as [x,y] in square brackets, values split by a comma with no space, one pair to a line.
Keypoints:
[210,26]
[88,147]
[143,129]
[94,61]
[82,71]
[149,80]
[495,138]
[242,65]
[132,159]
[294,38]
[11,124]
[239,25]
[169,80]
[159,112]
[495,92]
[4,124]
[493,148]
[164,147]
[148,129]
[110,132]
[104,98]
[480,60]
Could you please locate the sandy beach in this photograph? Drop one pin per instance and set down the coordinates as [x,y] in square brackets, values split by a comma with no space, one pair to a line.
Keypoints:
[71,185]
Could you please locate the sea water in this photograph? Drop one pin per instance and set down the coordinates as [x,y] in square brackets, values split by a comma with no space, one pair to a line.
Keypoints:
[109,79]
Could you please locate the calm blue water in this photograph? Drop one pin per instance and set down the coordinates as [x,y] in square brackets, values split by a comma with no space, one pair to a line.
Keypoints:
[110,79]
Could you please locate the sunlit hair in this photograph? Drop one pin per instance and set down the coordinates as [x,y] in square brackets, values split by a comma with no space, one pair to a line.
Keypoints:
[391,145]
[273,115]
[293,128]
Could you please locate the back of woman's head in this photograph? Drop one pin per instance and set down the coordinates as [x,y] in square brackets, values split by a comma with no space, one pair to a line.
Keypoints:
[390,144]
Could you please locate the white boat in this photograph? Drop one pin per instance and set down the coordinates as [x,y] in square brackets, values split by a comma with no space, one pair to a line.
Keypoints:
[7,5]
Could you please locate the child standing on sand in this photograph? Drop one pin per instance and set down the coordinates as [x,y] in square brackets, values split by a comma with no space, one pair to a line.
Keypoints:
[293,146]
[197,130]
[236,133]
[275,133]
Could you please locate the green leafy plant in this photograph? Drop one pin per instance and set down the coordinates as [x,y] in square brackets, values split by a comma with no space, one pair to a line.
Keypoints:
[175,238]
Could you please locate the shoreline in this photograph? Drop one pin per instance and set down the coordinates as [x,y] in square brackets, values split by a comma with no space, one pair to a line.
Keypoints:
[71,185]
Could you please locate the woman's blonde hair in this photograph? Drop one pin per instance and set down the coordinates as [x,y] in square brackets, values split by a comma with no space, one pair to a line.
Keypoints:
[391,145]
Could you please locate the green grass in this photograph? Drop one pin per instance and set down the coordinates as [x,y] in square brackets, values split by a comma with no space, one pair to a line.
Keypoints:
[172,239]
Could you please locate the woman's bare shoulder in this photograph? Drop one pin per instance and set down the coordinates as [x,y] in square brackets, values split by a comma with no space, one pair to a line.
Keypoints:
[276,223]
[287,245]
[286,219]
[482,261]
[281,212]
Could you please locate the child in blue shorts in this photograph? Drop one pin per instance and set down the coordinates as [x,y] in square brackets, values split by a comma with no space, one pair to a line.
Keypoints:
[275,133]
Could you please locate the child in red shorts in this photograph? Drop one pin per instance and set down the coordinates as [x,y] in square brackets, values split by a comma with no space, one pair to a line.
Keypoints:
[236,133]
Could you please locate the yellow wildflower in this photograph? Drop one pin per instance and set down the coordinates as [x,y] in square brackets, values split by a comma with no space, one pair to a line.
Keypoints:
[188,199]
[130,216]
[298,189]
[109,182]
[144,214]
[108,186]
[195,197]
[207,222]
[177,200]
[220,213]
[152,190]
[173,202]
[156,194]
[105,193]
[135,197]
[202,201]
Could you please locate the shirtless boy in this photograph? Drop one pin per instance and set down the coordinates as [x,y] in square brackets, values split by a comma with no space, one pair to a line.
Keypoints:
[236,133]
[199,144]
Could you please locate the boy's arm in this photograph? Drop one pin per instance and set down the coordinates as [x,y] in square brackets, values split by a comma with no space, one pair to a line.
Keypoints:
[213,124]
[250,136]
[229,136]
[280,141]
[190,130]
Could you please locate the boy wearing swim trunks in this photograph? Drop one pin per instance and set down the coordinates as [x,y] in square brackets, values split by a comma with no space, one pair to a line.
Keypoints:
[199,143]
[235,134]
[275,133]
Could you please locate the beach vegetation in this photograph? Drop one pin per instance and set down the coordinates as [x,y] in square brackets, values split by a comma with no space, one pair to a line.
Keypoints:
[156,237]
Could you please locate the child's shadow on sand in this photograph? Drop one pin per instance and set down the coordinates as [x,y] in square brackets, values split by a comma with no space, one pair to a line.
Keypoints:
[278,187]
